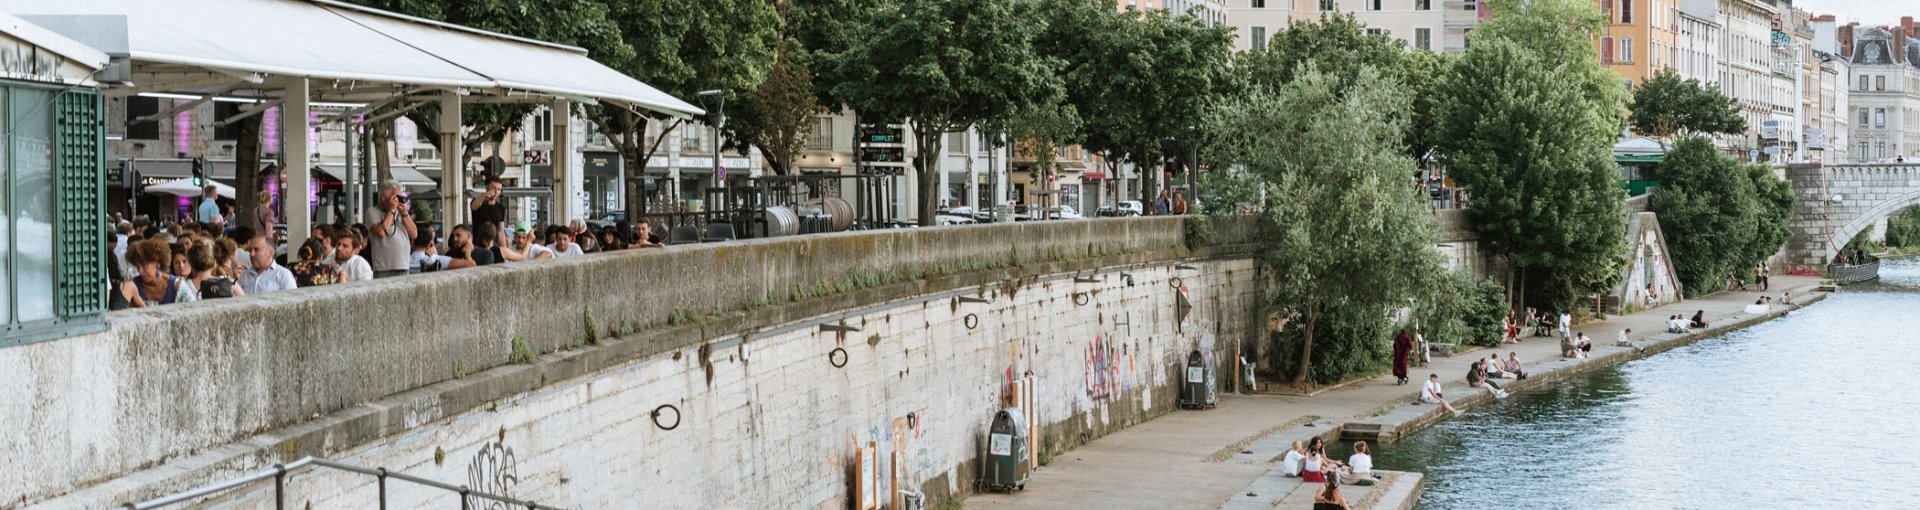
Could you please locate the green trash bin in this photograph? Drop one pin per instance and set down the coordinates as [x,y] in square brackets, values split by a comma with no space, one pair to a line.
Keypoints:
[1007,455]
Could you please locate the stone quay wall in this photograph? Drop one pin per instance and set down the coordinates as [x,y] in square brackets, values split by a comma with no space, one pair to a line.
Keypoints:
[171,397]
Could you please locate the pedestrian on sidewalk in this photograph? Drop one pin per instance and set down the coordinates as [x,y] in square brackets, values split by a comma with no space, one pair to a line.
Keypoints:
[389,240]
[1566,324]
[1402,348]
[1761,272]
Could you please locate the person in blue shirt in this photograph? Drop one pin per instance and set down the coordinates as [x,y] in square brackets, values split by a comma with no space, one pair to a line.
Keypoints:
[209,211]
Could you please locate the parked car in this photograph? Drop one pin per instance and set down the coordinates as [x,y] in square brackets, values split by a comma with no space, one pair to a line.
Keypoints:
[1066,212]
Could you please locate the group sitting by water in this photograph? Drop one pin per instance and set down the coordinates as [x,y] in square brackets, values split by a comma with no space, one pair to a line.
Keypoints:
[1311,464]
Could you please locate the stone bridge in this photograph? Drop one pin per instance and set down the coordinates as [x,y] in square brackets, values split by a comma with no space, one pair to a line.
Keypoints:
[1837,202]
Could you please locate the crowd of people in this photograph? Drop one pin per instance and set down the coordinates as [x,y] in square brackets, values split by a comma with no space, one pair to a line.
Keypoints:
[158,263]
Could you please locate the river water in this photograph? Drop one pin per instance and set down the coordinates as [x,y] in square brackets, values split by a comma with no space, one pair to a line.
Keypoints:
[1820,409]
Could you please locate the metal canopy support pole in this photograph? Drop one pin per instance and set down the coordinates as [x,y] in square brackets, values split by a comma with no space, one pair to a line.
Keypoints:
[565,200]
[453,184]
[296,158]
[352,194]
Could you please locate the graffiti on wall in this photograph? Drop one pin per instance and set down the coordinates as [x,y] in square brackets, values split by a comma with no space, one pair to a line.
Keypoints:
[494,470]
[1108,366]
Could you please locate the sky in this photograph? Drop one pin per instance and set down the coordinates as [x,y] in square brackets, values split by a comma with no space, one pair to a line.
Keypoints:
[1867,12]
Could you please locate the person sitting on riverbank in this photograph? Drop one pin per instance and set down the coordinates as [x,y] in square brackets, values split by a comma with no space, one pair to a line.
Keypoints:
[1583,343]
[1360,465]
[1513,366]
[1699,320]
[1329,498]
[1786,298]
[1675,324]
[1315,467]
[1477,377]
[1430,393]
[1291,463]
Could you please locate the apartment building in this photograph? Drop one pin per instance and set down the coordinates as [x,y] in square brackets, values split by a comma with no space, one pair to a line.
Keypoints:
[1885,91]
[1434,25]
[1747,73]
[1696,40]
[1637,39]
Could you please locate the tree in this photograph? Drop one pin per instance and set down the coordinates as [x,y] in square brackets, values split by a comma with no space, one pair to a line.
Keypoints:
[1346,240]
[1709,211]
[1774,200]
[941,67]
[779,115]
[1665,106]
[1527,128]
[570,22]
[1139,80]
[683,48]
[1340,45]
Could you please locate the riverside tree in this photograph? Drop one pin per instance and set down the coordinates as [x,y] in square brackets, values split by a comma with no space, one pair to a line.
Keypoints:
[1665,106]
[1345,239]
[1340,46]
[1139,81]
[941,67]
[1720,216]
[1527,127]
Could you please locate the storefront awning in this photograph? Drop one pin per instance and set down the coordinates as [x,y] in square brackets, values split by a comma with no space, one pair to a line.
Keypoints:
[406,175]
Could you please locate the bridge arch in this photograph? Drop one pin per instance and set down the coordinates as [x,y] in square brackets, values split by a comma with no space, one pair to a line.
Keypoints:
[1837,202]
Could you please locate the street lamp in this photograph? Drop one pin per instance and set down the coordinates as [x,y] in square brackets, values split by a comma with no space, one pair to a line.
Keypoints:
[719,115]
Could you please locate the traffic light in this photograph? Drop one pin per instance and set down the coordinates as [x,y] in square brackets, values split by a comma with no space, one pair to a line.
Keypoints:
[199,172]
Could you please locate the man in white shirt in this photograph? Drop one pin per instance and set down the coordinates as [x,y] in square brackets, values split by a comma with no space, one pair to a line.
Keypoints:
[1430,393]
[560,240]
[1566,324]
[263,275]
[346,258]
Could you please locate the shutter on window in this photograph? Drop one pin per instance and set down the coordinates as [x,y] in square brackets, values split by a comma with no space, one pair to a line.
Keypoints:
[1606,50]
[1606,7]
[80,204]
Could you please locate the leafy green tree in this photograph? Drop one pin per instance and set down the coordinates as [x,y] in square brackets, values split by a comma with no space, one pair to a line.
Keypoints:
[683,48]
[1463,311]
[1903,228]
[1665,106]
[1140,81]
[1774,200]
[1527,127]
[1339,44]
[1709,211]
[1346,240]
[779,115]
[941,67]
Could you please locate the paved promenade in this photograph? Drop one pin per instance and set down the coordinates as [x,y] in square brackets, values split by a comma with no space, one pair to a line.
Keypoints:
[1226,457]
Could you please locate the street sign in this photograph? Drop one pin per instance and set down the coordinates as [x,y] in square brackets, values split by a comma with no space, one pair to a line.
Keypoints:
[883,154]
[880,134]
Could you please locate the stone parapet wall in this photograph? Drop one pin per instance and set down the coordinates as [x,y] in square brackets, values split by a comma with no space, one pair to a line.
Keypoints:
[175,381]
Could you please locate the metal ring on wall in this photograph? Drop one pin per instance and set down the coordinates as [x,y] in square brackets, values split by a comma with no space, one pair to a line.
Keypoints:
[676,417]
[1176,282]
[1081,299]
[971,321]
[838,357]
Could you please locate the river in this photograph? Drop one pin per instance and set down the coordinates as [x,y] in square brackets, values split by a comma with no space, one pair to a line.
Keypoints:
[1819,409]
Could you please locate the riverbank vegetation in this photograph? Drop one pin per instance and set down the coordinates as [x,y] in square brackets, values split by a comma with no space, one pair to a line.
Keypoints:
[1720,216]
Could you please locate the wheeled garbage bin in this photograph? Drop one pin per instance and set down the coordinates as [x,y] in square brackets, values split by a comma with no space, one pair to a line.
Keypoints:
[1197,390]
[1007,455]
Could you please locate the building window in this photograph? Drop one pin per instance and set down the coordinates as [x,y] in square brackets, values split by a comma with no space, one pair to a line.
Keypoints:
[1376,32]
[1626,50]
[223,110]
[1423,5]
[1259,4]
[1879,117]
[957,142]
[1326,5]
[1259,38]
[142,106]
[1879,83]
[1863,151]
[1373,5]
[26,155]
[1626,12]
[822,139]
[1863,83]
[693,138]
[1423,38]
[1863,118]
[543,126]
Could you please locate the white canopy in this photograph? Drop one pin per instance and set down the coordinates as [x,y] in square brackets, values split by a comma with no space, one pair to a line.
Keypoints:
[185,188]
[209,44]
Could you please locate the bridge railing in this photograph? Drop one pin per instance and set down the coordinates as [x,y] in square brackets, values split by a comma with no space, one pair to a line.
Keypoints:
[1847,274]
[279,473]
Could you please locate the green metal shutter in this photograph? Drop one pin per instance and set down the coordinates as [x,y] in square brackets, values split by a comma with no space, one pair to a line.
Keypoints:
[79,196]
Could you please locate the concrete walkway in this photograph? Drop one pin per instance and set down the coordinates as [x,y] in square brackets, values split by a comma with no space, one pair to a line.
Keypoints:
[1226,457]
